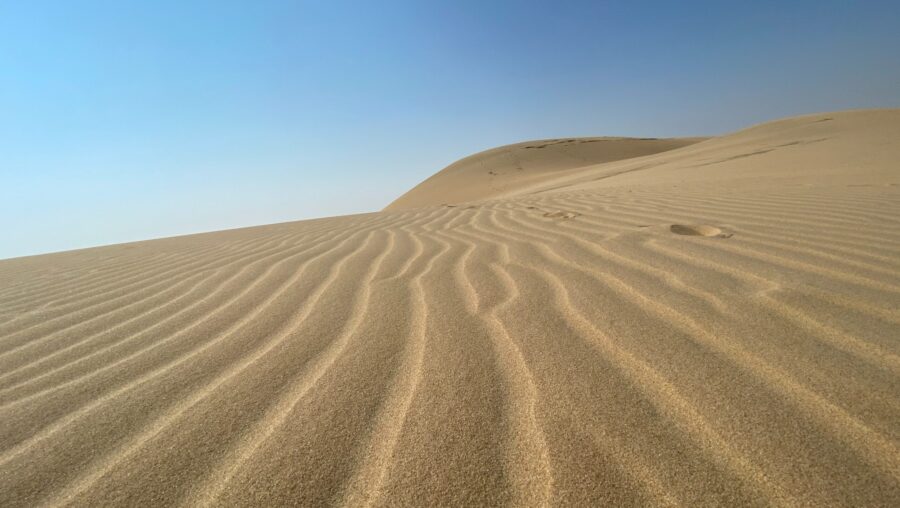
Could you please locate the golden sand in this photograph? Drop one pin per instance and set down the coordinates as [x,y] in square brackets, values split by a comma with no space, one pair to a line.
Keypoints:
[615,322]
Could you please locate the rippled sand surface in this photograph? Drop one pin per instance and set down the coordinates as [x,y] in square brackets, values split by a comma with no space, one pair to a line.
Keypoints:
[713,324]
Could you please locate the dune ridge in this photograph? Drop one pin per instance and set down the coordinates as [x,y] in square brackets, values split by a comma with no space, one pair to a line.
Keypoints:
[714,324]
[505,170]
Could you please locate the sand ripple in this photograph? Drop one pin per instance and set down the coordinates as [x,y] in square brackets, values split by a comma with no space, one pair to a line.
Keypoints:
[558,347]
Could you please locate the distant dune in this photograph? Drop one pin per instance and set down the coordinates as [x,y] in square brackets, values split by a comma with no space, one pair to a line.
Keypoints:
[504,170]
[617,323]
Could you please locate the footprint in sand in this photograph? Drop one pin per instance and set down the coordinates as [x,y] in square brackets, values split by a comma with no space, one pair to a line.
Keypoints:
[698,230]
[562,214]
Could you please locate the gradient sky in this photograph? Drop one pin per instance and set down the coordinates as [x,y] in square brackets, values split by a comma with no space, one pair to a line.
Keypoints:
[125,120]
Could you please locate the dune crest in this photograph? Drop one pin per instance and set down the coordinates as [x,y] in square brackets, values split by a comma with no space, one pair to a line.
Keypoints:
[712,324]
[502,171]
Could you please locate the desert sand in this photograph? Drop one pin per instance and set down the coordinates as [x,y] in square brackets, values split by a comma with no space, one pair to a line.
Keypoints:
[595,321]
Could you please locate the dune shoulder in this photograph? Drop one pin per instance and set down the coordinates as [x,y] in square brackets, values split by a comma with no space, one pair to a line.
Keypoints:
[504,170]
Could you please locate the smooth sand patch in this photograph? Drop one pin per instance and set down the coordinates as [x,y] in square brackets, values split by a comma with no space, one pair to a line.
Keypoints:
[695,230]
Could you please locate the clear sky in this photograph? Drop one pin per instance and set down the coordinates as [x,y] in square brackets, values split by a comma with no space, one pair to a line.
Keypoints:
[125,120]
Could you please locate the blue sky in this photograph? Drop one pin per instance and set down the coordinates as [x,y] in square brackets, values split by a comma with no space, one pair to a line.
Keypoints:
[124,120]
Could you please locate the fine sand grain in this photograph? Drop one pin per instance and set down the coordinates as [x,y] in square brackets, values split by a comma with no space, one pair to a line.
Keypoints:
[641,322]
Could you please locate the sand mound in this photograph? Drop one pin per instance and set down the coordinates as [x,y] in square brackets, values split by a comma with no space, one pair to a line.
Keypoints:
[504,170]
[561,347]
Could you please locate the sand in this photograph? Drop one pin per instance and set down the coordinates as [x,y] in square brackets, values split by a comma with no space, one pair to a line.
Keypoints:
[505,170]
[700,323]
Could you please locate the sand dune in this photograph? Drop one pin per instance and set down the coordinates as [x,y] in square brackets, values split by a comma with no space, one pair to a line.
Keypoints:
[713,324]
[504,170]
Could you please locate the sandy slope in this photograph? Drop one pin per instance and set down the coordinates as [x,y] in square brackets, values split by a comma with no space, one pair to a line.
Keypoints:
[565,346]
[505,170]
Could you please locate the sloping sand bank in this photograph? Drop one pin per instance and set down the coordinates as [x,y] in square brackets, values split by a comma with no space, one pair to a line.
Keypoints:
[505,170]
[715,324]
